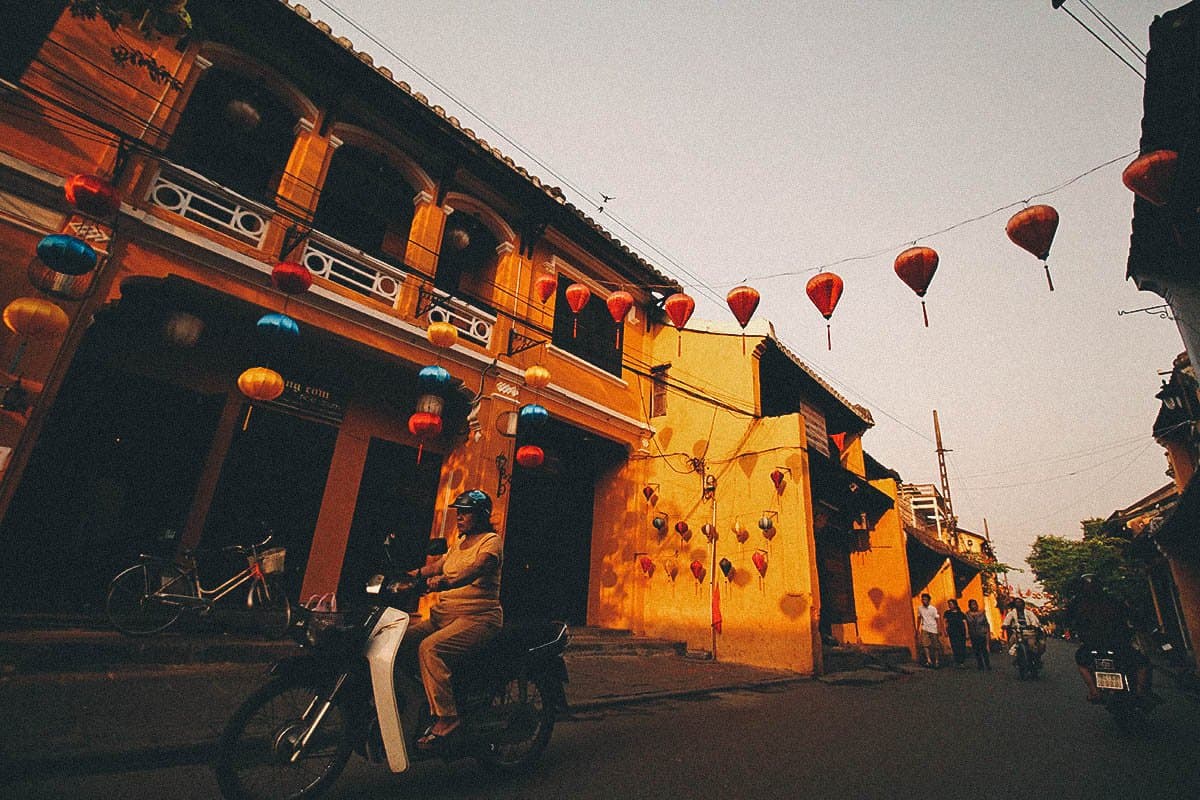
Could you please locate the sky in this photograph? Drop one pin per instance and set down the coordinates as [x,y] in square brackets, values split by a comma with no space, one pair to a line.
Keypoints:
[759,142]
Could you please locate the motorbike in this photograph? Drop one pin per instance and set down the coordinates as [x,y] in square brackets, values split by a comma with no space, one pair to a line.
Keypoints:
[349,695]
[1026,658]
[1116,678]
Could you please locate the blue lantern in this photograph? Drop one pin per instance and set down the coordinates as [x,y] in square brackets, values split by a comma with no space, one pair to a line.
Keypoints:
[433,379]
[278,326]
[532,416]
[67,254]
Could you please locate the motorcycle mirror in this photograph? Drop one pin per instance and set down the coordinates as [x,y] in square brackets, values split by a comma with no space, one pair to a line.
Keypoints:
[437,547]
[375,584]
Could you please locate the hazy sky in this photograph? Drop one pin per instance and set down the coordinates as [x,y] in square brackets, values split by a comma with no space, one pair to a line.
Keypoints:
[744,140]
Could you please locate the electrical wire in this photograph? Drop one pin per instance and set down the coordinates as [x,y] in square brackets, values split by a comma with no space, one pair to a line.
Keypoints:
[1090,493]
[1062,476]
[1112,27]
[1100,39]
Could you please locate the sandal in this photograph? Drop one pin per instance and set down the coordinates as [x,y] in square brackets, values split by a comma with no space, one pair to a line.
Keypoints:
[431,741]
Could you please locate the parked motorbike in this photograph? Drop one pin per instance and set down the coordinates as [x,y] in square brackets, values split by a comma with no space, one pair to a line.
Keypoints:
[348,694]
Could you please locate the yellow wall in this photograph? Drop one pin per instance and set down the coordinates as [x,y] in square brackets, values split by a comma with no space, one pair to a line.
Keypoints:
[882,595]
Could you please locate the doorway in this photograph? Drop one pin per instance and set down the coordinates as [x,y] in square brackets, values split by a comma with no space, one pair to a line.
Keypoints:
[274,473]
[548,541]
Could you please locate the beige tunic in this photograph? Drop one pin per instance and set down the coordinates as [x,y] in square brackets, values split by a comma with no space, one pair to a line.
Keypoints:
[481,594]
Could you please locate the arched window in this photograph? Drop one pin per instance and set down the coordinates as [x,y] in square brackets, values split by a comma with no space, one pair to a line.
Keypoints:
[467,256]
[235,132]
[366,203]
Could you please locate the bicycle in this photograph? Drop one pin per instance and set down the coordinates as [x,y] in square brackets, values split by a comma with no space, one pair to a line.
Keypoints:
[148,597]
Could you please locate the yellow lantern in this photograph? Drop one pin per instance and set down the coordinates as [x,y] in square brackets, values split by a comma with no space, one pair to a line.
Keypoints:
[261,383]
[442,334]
[35,318]
[537,377]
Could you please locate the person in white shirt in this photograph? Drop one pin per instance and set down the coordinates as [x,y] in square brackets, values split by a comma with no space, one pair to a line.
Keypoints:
[1021,621]
[929,632]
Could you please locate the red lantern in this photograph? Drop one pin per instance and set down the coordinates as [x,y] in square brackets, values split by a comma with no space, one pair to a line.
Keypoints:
[760,562]
[647,492]
[777,477]
[577,297]
[544,286]
[92,195]
[698,571]
[291,278]
[683,530]
[916,266]
[647,565]
[1150,176]
[742,301]
[619,303]
[679,308]
[824,290]
[1033,229]
[530,456]
[424,425]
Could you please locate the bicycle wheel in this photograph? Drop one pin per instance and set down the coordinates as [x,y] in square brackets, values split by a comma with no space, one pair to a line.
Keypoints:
[255,755]
[270,607]
[137,603]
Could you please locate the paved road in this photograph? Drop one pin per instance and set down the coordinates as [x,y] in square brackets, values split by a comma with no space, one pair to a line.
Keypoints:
[932,735]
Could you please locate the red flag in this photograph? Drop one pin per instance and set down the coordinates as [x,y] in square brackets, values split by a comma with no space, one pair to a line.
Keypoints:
[716,607]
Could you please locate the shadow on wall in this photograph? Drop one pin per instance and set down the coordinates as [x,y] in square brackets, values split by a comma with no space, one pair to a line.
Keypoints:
[795,606]
[894,614]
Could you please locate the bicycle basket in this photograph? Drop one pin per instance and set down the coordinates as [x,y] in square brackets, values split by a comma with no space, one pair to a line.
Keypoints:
[271,560]
[322,626]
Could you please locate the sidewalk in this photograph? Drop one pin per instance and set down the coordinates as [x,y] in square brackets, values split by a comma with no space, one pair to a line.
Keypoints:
[140,713]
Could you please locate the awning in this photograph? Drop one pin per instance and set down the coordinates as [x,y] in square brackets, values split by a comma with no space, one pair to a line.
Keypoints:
[846,493]
[1179,535]
[926,554]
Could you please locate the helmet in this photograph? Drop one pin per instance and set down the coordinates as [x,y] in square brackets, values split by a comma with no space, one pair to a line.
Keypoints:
[475,500]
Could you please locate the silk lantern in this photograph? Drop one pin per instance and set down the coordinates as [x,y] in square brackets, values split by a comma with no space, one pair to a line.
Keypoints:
[679,308]
[647,565]
[619,303]
[671,567]
[1032,229]
[578,296]
[291,278]
[33,318]
[760,562]
[442,335]
[530,456]
[92,195]
[915,266]
[726,567]
[740,532]
[743,302]
[537,377]
[544,287]
[261,383]
[710,531]
[277,327]
[69,255]
[825,290]
[1151,175]
[698,571]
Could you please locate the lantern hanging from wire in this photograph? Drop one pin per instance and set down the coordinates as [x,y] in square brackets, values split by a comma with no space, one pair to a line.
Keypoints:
[619,303]
[726,567]
[578,296]
[291,278]
[760,562]
[277,328]
[671,567]
[69,255]
[685,533]
[679,308]
[825,290]
[92,195]
[743,302]
[531,418]
[537,377]
[777,478]
[698,571]
[710,531]
[659,522]
[260,383]
[916,266]
[530,456]
[33,318]
[740,531]
[1032,229]
[647,565]
[426,421]
[544,287]
[1151,175]
[442,335]
[766,524]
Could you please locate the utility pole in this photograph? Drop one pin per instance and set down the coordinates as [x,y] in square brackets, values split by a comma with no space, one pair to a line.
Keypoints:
[941,454]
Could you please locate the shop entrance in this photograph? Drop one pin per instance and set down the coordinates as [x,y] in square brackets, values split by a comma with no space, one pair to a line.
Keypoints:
[274,473]
[112,475]
[548,541]
[836,580]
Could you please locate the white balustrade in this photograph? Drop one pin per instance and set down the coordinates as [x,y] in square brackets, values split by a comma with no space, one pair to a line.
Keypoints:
[194,197]
[353,269]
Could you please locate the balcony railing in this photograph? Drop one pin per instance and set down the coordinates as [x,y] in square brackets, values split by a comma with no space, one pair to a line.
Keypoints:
[353,269]
[474,324]
[195,197]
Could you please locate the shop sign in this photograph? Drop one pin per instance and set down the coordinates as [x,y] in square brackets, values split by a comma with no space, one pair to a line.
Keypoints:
[306,399]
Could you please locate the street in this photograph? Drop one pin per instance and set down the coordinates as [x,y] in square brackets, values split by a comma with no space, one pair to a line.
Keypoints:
[990,734]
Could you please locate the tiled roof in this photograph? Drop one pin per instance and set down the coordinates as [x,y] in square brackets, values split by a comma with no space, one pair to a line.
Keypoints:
[853,408]
[553,192]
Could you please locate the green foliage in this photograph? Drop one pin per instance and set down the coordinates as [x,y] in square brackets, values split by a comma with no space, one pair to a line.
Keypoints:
[1058,563]
[152,19]
[1092,527]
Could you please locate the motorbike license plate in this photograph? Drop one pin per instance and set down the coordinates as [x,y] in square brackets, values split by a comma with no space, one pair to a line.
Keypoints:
[1110,680]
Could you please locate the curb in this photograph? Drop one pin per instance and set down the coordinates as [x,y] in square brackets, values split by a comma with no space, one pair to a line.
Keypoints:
[100,762]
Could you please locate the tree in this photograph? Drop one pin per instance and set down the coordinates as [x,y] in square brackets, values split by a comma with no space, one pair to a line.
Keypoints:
[1058,563]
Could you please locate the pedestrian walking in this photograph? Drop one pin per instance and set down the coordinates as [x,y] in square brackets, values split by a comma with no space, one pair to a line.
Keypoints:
[956,631]
[980,631]
[929,633]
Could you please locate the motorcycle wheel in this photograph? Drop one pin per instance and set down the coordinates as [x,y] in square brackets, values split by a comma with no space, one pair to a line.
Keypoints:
[271,608]
[254,757]
[528,720]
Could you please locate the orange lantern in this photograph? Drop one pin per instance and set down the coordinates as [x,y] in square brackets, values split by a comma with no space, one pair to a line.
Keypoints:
[35,318]
[92,195]
[742,301]
[679,308]
[824,290]
[544,286]
[577,297]
[261,383]
[1151,175]
[442,334]
[291,278]
[537,377]
[1032,229]
[916,266]
[530,456]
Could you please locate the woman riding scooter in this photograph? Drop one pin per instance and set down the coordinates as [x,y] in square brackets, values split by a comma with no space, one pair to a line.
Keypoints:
[467,614]
[1022,622]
